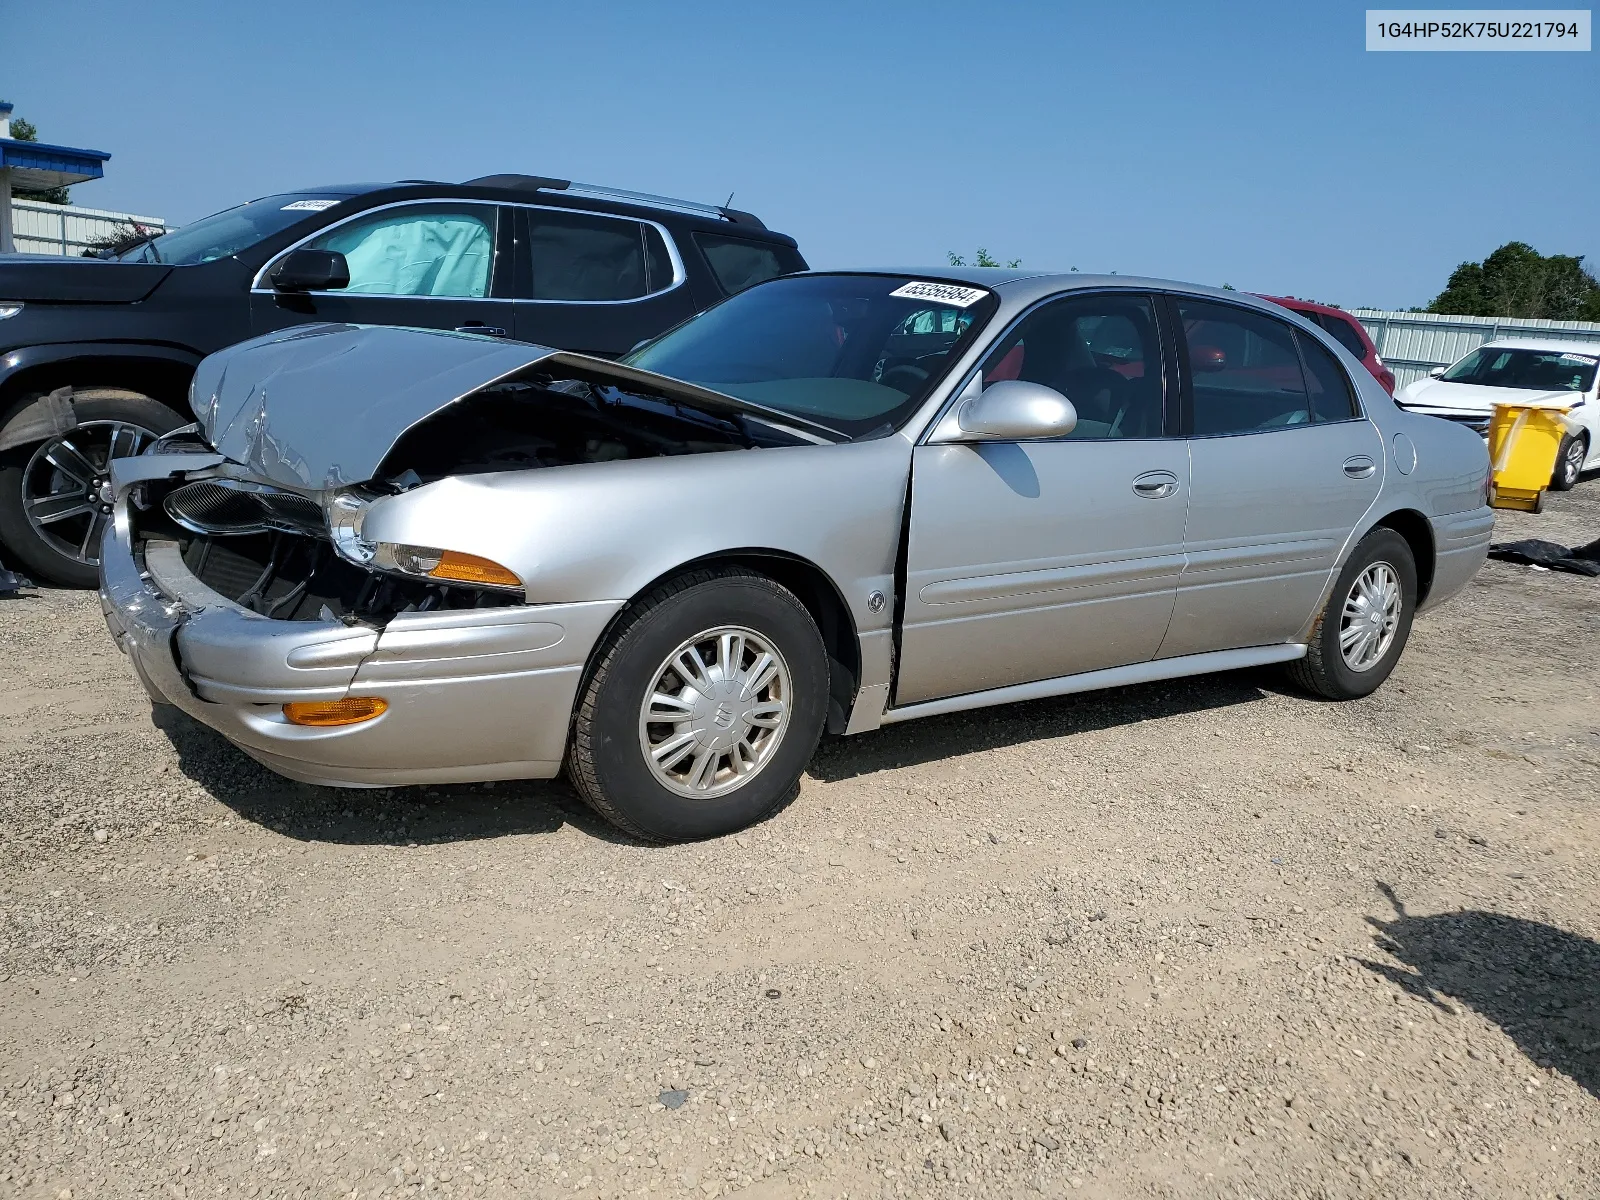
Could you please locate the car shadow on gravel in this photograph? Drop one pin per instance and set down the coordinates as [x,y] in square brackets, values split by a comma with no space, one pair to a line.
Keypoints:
[371,816]
[932,738]
[1537,982]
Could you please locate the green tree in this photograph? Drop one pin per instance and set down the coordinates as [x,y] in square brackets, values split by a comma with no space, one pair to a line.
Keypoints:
[1517,281]
[981,259]
[25,131]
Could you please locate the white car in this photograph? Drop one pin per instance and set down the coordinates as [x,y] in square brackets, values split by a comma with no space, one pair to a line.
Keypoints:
[1520,371]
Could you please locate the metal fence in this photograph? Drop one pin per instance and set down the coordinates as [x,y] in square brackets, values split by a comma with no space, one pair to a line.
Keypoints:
[66,229]
[1414,343]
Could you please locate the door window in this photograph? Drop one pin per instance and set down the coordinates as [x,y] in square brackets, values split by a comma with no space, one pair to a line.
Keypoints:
[739,264]
[1101,352]
[417,251]
[1245,370]
[1331,398]
[577,256]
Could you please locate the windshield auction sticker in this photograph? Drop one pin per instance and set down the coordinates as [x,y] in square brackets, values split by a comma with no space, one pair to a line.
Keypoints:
[1478,28]
[309,205]
[944,293]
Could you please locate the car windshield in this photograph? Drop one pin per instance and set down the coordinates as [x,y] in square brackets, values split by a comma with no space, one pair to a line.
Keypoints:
[1530,370]
[856,353]
[230,231]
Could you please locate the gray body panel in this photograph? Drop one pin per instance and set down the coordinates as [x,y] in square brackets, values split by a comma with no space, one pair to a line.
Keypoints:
[1031,568]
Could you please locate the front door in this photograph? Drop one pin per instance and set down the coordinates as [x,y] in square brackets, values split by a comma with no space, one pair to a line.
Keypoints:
[1284,468]
[1033,560]
[434,264]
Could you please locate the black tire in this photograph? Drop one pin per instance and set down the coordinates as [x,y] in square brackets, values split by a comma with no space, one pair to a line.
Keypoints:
[1324,669]
[42,553]
[607,762]
[1569,462]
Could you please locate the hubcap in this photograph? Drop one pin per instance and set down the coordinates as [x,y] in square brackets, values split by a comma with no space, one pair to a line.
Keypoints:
[716,712]
[1370,618]
[1573,466]
[66,486]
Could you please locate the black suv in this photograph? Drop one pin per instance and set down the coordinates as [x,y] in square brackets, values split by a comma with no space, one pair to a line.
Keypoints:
[96,354]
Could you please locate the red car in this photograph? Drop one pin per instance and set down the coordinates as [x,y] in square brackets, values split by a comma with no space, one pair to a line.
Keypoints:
[1346,329]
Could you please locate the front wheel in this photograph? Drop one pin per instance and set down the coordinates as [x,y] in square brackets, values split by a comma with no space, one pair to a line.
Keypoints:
[1359,636]
[706,704]
[1569,463]
[55,496]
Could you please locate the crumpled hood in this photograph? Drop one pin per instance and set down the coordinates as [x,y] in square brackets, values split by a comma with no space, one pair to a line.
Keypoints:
[1473,398]
[319,406]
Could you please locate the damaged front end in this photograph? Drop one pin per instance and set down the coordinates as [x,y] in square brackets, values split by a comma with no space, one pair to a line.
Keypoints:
[337,586]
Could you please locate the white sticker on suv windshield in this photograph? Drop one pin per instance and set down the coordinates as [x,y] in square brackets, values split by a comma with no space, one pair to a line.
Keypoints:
[309,205]
[944,293]
[1583,360]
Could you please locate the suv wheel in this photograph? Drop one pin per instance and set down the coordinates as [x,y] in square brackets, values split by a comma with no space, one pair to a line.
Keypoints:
[1359,636]
[1569,462]
[55,496]
[706,705]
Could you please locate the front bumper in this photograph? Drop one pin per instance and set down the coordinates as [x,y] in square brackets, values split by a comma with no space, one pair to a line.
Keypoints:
[473,694]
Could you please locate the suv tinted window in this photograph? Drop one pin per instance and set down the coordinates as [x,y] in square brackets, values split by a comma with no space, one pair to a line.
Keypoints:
[1344,334]
[1245,370]
[1100,352]
[581,257]
[1331,399]
[739,264]
[417,250]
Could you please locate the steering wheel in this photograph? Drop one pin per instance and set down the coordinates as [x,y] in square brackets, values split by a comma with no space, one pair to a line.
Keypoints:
[911,377]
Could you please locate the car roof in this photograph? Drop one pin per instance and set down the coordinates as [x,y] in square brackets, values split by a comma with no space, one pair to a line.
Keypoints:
[1567,345]
[1299,305]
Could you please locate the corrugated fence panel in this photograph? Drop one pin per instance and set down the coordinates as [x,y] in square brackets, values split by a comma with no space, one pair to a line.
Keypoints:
[40,228]
[1414,343]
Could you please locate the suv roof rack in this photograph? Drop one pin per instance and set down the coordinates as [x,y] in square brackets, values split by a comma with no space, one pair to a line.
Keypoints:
[545,183]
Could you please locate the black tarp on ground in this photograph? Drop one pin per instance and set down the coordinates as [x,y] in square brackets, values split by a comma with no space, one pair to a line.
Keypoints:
[1580,560]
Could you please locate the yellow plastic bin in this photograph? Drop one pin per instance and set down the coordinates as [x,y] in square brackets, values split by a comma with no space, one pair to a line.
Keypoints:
[1523,442]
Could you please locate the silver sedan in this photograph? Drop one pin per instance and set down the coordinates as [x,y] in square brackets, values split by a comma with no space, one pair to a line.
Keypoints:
[388,556]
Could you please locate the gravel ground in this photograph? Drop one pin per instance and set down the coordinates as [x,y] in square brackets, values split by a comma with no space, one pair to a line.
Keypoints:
[1203,938]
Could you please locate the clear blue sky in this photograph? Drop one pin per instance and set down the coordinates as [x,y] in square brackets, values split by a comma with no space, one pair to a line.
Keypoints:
[1254,144]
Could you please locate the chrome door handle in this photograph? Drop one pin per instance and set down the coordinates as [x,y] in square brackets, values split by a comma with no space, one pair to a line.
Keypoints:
[1155,485]
[1359,466]
[490,330]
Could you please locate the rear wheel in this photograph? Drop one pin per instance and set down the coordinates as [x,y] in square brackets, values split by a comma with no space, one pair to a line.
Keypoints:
[706,705]
[1569,462]
[1359,636]
[55,496]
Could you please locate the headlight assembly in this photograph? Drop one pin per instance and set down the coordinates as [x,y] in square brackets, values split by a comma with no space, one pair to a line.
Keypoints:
[430,562]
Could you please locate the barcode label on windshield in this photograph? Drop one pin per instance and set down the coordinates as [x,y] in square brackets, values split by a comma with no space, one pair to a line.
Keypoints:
[309,205]
[943,293]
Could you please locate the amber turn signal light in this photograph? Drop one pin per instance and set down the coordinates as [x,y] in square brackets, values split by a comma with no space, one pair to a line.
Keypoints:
[469,568]
[352,710]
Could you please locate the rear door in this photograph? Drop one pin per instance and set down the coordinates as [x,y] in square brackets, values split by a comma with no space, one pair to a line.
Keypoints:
[437,264]
[1037,559]
[1284,468]
[596,283]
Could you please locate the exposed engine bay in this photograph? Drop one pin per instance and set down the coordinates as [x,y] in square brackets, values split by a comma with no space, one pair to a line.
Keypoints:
[522,424]
[273,550]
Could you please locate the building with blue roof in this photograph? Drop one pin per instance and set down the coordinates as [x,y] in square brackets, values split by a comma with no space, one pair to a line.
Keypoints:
[38,167]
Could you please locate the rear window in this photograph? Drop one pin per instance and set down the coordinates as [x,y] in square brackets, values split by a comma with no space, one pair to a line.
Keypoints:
[582,257]
[1344,334]
[739,264]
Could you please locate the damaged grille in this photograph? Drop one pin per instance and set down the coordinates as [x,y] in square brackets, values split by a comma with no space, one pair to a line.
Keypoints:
[226,506]
[296,578]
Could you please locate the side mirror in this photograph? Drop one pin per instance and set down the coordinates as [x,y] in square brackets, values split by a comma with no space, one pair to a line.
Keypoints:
[311,271]
[1437,372]
[1208,358]
[1014,410]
